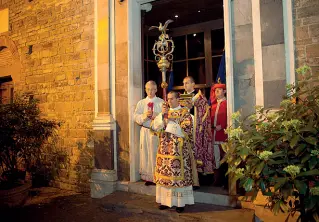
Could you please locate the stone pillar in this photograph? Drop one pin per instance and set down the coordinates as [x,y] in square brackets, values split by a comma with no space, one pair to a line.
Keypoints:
[243,56]
[229,54]
[128,86]
[273,52]
[269,52]
[240,76]
[104,176]
[121,87]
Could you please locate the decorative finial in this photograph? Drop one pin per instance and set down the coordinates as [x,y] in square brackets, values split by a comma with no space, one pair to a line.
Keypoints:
[162,28]
[163,50]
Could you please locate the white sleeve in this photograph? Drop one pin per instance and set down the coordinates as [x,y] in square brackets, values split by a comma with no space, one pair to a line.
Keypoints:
[157,124]
[139,116]
[174,128]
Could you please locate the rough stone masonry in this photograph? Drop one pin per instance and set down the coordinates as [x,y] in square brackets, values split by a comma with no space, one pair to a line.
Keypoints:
[55,44]
[306,27]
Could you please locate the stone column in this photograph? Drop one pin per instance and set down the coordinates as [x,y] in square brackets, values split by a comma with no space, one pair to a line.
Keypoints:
[240,64]
[128,60]
[273,52]
[104,176]
[243,56]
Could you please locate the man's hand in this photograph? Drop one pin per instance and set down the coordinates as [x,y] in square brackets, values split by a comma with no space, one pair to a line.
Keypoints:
[149,114]
[164,108]
[189,104]
[219,127]
[154,115]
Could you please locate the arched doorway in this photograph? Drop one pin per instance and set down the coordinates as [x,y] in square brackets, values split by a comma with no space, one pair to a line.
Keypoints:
[10,69]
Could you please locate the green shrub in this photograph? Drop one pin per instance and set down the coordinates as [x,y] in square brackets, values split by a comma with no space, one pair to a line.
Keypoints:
[277,153]
[22,135]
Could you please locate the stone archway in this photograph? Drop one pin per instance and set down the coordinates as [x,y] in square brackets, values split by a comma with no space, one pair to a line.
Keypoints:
[10,64]
[10,68]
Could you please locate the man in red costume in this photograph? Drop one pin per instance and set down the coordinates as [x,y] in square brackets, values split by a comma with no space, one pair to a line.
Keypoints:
[219,124]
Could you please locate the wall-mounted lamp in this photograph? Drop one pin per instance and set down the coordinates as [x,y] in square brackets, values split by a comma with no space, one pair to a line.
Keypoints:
[146,7]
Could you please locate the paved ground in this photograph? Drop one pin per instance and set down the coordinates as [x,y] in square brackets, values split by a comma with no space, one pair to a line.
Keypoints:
[50,204]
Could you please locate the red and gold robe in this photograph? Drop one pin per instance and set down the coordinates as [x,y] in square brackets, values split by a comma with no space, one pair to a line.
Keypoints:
[175,171]
[175,160]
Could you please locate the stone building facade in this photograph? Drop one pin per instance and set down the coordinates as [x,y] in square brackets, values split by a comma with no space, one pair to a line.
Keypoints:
[82,60]
[306,20]
[51,45]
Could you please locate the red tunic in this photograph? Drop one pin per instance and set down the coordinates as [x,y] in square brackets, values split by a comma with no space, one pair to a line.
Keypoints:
[220,113]
[218,117]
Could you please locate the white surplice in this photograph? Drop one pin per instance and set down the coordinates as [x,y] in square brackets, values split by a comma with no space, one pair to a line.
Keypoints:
[148,138]
[174,196]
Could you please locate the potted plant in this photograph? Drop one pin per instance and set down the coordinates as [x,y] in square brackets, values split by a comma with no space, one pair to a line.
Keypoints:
[277,153]
[22,135]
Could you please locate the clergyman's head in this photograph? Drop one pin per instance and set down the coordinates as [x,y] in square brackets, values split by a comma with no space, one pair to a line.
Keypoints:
[173,99]
[151,89]
[189,84]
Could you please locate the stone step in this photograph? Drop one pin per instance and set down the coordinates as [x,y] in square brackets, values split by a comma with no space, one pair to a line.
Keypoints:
[214,197]
[206,195]
[145,205]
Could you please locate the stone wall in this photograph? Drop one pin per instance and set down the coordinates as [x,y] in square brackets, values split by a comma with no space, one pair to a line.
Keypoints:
[306,20]
[55,42]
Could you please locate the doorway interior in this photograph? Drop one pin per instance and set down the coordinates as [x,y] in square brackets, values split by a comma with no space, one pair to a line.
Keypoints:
[198,34]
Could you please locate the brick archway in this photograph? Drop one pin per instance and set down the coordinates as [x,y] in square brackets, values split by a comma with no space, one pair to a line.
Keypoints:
[7,42]
[13,69]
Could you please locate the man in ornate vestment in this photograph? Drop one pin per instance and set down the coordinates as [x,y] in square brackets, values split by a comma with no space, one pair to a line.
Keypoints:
[200,109]
[175,163]
[146,110]
[219,124]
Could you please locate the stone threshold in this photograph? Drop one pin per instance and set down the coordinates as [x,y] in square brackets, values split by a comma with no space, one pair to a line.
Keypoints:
[214,196]
[220,199]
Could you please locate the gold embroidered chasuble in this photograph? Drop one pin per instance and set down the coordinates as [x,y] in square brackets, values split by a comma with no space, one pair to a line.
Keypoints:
[175,163]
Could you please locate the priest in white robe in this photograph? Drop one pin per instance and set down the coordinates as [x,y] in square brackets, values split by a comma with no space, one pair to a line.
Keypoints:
[175,171]
[145,111]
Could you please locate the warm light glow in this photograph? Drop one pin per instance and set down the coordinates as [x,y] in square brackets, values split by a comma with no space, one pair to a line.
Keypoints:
[4,20]
[194,34]
[176,16]
[198,10]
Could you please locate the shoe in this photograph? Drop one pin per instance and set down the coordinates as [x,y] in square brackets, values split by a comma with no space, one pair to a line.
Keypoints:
[179,209]
[163,207]
[196,187]
[148,183]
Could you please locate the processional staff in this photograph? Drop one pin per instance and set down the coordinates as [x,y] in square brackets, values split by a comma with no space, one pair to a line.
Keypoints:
[163,50]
